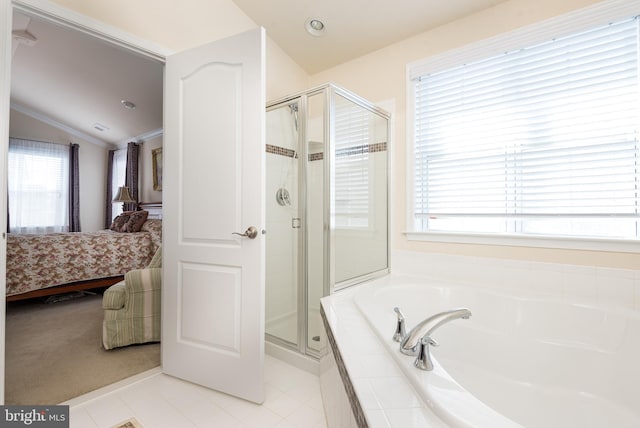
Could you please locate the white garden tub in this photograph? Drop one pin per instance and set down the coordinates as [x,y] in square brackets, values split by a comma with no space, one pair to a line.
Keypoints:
[518,361]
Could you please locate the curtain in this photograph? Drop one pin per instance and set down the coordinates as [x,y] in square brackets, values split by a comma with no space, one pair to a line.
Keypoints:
[38,186]
[74,188]
[131,175]
[108,215]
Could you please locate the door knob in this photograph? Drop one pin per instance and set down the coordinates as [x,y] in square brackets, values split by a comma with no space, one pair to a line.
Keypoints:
[250,233]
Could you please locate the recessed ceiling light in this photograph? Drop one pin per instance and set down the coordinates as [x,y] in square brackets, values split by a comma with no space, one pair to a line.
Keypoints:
[315,27]
[128,104]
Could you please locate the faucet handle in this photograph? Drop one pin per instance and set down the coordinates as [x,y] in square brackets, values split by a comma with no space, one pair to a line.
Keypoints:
[423,359]
[429,341]
[400,332]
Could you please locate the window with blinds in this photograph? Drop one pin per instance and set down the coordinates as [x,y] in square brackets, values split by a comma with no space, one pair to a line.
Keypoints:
[542,140]
[352,141]
[38,186]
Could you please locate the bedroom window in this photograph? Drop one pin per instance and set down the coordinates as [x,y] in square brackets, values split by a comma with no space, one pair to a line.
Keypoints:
[118,177]
[535,141]
[38,185]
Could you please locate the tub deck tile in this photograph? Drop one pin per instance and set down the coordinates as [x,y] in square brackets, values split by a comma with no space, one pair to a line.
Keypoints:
[379,395]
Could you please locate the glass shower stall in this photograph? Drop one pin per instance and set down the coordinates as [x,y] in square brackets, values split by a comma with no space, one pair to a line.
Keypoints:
[326,207]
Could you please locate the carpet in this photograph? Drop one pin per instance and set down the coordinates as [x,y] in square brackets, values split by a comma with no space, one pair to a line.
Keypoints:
[54,351]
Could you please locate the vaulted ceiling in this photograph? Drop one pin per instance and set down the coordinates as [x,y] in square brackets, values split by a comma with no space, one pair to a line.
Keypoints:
[79,81]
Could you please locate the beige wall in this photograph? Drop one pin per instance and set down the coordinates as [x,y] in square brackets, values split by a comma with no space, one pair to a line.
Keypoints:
[284,76]
[179,25]
[381,78]
[92,164]
[175,25]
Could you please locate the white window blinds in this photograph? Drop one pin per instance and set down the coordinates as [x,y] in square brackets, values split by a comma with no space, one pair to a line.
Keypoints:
[352,141]
[542,140]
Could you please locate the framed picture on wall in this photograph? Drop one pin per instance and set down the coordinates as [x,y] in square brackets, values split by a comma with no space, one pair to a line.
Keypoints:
[157,168]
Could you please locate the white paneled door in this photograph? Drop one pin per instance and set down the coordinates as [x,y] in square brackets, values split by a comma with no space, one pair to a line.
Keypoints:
[213,283]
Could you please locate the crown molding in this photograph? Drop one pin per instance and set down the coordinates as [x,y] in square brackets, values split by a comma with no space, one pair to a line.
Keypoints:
[142,137]
[59,125]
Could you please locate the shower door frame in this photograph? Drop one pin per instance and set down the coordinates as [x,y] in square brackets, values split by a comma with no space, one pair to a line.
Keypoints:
[303,159]
[301,210]
[332,91]
[329,285]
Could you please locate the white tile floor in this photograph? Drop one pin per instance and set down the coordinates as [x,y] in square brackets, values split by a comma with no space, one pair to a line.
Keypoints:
[293,400]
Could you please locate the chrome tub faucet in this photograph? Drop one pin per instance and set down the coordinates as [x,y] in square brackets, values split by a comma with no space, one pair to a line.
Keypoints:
[417,341]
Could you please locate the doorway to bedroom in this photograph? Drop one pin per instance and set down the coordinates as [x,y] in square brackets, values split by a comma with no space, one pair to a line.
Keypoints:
[54,345]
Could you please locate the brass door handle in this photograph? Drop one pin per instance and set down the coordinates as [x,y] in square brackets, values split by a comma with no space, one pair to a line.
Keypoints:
[250,233]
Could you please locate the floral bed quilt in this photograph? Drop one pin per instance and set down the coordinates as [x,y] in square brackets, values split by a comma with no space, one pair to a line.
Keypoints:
[35,262]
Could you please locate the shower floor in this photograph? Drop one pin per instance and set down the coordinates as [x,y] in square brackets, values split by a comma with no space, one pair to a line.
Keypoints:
[286,328]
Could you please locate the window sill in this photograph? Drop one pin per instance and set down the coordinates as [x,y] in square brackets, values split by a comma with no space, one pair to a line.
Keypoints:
[588,244]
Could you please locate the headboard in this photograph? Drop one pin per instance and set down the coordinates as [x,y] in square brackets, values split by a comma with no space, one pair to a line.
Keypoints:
[154,208]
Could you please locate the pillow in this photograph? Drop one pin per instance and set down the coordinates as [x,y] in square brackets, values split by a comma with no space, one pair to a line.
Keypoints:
[135,222]
[156,261]
[120,221]
[129,221]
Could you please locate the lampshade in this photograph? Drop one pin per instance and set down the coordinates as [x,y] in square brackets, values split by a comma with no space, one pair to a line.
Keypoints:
[123,195]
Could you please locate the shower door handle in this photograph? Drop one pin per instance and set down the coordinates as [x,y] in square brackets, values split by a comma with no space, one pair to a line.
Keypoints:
[250,233]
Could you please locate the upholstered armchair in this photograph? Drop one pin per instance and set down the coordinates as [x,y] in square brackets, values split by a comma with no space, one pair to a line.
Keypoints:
[132,307]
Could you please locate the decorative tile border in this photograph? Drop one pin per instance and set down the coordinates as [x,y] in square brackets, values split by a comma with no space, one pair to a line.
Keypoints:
[358,150]
[316,156]
[349,151]
[281,151]
[378,147]
[356,407]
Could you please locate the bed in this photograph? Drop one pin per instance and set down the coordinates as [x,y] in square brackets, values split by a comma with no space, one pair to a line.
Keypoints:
[41,265]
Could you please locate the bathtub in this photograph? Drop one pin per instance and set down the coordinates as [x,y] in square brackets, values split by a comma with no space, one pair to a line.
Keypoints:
[518,361]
